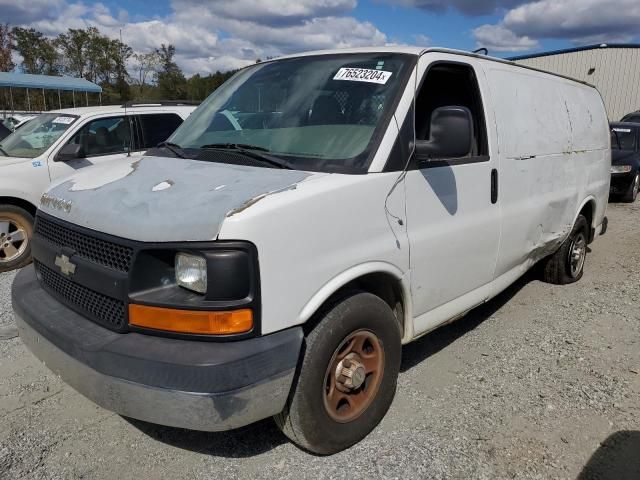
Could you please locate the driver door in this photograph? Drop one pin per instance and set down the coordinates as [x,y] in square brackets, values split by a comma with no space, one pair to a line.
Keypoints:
[453,218]
[102,140]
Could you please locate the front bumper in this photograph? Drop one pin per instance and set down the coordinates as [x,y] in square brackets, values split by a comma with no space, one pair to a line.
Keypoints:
[198,385]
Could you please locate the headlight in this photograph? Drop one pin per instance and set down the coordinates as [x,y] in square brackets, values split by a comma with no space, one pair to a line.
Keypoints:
[191,272]
[620,168]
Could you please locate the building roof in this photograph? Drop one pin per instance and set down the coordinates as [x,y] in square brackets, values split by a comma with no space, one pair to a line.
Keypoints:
[49,82]
[576,49]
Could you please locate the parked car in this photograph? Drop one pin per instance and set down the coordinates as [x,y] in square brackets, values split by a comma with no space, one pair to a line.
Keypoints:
[56,144]
[13,122]
[625,160]
[633,117]
[313,215]
[4,131]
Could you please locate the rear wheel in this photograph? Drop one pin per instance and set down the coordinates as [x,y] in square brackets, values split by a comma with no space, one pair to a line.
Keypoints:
[567,264]
[16,228]
[347,378]
[632,193]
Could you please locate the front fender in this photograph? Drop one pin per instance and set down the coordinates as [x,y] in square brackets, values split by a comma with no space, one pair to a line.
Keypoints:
[353,273]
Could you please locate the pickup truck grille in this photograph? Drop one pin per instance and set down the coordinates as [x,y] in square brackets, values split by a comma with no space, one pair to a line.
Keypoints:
[102,252]
[107,311]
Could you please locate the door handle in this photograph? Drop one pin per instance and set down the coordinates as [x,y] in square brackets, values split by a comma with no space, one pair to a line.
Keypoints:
[494,186]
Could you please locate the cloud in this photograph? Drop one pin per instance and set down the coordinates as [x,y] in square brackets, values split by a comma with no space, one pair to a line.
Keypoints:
[21,12]
[578,21]
[218,35]
[268,12]
[467,7]
[500,39]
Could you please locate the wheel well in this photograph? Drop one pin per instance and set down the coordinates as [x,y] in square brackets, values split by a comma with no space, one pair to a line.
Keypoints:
[588,211]
[383,285]
[18,202]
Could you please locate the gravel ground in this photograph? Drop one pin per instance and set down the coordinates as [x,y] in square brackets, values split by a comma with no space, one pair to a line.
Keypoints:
[542,382]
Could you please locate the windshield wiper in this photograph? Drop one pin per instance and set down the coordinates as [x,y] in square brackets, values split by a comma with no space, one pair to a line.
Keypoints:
[173,148]
[251,151]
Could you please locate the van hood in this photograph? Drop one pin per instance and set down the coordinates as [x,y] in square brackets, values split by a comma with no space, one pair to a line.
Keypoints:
[163,199]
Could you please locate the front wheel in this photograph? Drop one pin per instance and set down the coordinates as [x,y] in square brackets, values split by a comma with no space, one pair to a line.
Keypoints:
[567,264]
[347,378]
[16,228]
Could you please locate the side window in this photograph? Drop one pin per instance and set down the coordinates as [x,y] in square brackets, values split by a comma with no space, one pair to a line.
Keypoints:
[452,85]
[104,136]
[157,127]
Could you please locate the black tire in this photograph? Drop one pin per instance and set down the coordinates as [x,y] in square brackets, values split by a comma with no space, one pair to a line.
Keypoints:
[558,268]
[15,218]
[632,193]
[305,420]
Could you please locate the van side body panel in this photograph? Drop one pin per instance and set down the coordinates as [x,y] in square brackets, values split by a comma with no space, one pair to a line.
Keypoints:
[554,155]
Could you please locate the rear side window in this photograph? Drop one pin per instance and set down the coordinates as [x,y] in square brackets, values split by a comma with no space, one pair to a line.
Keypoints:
[157,127]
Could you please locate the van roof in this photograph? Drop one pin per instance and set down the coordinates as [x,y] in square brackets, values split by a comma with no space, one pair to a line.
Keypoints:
[421,51]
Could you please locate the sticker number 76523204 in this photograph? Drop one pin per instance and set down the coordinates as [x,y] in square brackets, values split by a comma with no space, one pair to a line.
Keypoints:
[363,75]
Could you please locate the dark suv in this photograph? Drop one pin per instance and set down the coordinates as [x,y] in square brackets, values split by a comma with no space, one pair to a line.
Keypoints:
[625,160]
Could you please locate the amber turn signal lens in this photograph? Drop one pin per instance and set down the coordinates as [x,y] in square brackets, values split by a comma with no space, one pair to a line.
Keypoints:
[191,321]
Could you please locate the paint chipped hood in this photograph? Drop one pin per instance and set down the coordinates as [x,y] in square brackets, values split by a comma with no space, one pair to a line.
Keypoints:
[163,199]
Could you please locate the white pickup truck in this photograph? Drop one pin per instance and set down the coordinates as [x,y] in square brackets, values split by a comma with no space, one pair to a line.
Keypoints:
[313,215]
[56,144]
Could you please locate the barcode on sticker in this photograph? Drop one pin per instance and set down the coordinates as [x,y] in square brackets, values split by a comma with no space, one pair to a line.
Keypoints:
[363,75]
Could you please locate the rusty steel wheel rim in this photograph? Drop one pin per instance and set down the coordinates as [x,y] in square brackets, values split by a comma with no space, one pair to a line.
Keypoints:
[353,377]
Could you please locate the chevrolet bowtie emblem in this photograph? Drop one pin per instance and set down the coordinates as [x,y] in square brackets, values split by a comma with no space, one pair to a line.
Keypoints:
[65,265]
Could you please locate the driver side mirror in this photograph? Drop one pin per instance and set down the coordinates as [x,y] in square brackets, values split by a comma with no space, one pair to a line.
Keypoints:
[451,135]
[71,151]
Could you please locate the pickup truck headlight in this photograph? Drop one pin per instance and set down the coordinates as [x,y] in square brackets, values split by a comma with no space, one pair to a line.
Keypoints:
[620,168]
[191,272]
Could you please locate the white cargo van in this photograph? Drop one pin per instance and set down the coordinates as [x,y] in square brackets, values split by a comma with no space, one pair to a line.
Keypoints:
[313,215]
[55,144]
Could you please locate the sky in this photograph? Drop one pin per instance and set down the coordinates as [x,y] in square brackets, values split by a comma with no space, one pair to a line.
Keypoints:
[211,35]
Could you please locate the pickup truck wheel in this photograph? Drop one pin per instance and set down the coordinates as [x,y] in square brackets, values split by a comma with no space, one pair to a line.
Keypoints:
[567,264]
[347,377]
[16,228]
[632,193]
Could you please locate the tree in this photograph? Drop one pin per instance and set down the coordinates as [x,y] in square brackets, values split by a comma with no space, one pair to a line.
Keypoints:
[170,79]
[6,43]
[145,65]
[39,54]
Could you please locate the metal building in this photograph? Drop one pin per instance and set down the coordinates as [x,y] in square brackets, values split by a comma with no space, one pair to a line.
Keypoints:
[613,68]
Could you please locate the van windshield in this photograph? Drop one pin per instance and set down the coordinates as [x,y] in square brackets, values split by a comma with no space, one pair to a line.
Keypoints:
[622,138]
[37,135]
[322,113]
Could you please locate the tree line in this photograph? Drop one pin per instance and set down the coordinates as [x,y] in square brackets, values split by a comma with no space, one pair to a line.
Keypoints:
[122,73]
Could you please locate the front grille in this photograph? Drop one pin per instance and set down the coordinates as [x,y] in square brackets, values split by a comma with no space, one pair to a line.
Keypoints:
[102,252]
[104,310]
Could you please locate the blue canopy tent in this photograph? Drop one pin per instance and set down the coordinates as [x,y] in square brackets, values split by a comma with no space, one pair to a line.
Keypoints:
[48,82]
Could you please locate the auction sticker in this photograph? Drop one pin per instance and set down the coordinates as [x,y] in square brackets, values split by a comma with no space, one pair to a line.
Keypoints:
[363,75]
[64,120]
